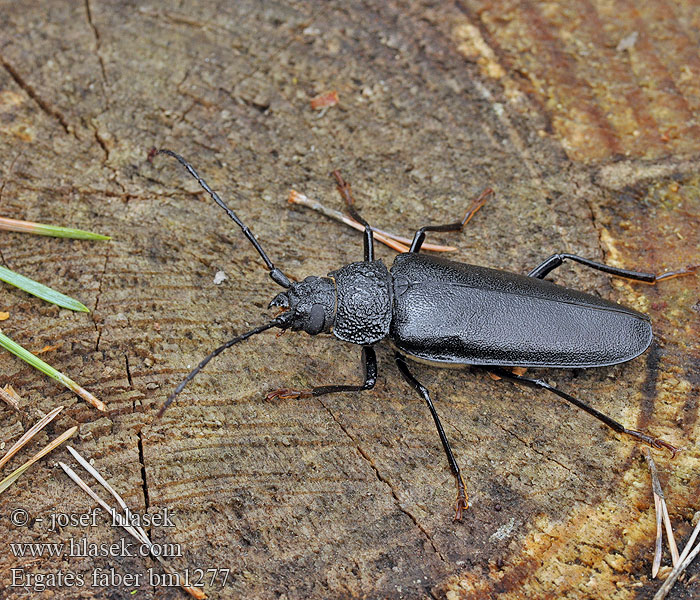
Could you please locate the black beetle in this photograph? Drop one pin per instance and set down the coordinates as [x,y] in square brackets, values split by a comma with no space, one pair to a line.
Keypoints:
[453,314]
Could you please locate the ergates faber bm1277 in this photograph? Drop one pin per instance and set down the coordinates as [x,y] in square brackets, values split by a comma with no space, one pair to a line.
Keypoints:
[447,313]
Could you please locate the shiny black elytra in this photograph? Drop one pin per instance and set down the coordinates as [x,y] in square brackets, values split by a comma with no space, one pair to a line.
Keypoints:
[451,314]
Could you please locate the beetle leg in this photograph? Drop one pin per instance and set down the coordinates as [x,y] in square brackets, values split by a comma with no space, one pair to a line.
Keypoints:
[369,362]
[476,204]
[462,503]
[557,260]
[346,193]
[492,375]
[619,428]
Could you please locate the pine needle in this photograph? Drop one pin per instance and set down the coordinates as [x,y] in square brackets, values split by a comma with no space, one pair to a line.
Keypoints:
[101,480]
[687,556]
[47,369]
[24,440]
[689,544]
[9,398]
[658,547]
[661,516]
[136,532]
[52,230]
[676,573]
[41,291]
[12,477]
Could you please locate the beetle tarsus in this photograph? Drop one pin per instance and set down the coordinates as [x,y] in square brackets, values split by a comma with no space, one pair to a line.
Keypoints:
[689,270]
[462,502]
[657,443]
[556,260]
[475,205]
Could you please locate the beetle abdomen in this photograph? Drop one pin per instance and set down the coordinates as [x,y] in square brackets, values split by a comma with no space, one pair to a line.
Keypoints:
[455,313]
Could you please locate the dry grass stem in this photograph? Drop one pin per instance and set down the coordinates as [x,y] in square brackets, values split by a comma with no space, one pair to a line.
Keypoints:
[24,440]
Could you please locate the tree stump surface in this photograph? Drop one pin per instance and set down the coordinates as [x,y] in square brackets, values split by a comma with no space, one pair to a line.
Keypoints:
[582,117]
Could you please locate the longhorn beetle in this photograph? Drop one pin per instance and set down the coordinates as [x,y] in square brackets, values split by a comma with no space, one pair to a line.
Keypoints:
[452,314]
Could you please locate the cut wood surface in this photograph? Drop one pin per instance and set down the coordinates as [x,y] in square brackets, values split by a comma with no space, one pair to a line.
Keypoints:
[581,116]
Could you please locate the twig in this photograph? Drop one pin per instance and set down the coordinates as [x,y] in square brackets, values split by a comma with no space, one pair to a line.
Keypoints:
[21,442]
[396,242]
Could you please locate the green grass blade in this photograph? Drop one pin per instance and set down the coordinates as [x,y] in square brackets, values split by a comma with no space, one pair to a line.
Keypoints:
[52,230]
[40,290]
[47,369]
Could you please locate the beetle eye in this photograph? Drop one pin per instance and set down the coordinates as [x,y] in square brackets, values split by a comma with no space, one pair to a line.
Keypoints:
[317,318]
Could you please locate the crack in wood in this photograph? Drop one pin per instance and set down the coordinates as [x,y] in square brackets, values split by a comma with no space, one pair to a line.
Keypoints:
[128,370]
[542,454]
[98,45]
[144,480]
[97,301]
[385,481]
[45,107]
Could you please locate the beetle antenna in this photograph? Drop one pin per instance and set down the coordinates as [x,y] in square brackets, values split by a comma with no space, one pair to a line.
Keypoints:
[277,276]
[281,321]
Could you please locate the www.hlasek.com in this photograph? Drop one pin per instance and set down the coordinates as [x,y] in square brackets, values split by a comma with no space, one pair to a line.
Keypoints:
[82,548]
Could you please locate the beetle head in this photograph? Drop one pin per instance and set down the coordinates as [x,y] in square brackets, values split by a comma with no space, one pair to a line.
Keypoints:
[310,304]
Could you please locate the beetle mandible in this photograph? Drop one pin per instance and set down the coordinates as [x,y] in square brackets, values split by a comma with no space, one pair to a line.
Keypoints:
[453,314]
